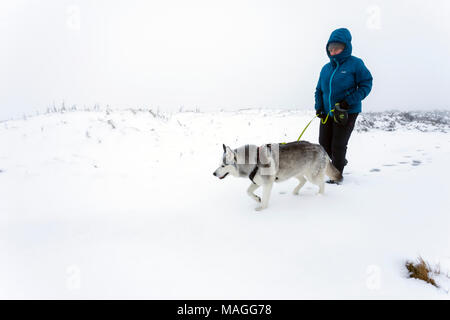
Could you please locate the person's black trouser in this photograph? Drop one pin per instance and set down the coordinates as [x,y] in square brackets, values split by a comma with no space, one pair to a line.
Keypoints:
[334,139]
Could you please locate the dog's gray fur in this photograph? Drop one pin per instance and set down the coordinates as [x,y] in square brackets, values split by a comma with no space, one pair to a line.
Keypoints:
[278,162]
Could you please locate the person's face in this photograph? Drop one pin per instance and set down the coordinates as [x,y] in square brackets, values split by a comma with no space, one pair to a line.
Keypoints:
[335,51]
[335,48]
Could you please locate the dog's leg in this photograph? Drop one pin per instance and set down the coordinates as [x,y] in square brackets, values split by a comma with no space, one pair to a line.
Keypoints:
[302,180]
[250,190]
[267,188]
[319,180]
[322,187]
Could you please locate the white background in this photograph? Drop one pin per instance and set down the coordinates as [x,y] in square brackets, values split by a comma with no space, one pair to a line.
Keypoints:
[215,54]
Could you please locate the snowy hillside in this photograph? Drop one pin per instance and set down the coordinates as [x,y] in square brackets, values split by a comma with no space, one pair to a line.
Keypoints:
[123,204]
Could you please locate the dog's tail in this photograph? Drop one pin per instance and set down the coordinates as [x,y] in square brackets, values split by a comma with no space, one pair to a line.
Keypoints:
[332,172]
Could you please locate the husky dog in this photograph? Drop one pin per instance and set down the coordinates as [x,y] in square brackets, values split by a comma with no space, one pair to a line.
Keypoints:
[275,162]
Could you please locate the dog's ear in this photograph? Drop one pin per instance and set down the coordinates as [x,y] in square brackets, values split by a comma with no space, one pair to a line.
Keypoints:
[229,154]
[227,150]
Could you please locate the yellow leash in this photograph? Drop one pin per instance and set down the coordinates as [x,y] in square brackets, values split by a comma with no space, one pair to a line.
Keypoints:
[323,122]
[326,119]
[305,128]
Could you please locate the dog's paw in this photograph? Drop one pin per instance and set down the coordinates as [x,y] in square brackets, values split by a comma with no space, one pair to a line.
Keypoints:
[260,208]
[295,193]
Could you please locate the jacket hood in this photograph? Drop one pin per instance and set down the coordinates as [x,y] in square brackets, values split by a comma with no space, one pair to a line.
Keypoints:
[340,35]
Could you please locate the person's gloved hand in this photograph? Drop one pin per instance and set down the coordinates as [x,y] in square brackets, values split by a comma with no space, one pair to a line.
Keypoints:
[344,105]
[340,114]
[321,114]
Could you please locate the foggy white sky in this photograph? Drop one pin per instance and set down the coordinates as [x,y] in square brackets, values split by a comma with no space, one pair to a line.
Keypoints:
[215,54]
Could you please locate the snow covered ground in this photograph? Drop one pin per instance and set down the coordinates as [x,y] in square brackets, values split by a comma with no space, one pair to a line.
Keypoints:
[123,204]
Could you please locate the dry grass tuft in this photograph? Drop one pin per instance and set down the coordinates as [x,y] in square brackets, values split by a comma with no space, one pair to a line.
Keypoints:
[423,271]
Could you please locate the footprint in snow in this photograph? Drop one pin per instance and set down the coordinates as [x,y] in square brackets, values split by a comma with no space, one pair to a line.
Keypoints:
[375,170]
[403,162]
[389,165]
[416,162]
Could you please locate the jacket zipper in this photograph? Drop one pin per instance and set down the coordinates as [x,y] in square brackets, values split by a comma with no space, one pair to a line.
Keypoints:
[331,78]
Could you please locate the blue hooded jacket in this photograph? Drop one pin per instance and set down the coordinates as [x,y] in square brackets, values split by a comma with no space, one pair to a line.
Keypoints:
[345,77]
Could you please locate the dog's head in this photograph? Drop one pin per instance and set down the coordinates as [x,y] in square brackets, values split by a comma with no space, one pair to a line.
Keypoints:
[228,165]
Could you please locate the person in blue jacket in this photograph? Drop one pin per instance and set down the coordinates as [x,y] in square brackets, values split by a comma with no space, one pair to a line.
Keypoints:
[343,83]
